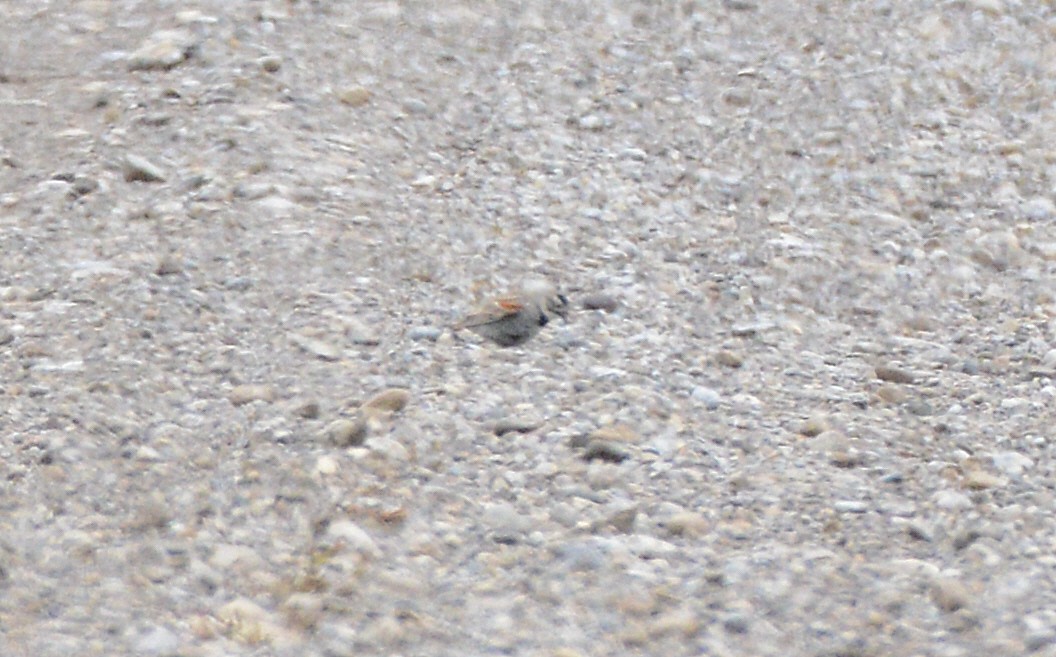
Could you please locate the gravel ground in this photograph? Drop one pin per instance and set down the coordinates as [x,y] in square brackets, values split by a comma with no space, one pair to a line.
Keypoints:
[803,406]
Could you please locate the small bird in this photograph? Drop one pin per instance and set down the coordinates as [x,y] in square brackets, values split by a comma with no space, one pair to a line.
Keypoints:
[512,320]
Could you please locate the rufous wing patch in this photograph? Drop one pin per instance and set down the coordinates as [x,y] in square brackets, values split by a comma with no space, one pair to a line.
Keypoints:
[509,305]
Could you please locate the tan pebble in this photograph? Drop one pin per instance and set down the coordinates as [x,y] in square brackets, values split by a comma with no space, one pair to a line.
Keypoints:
[386,630]
[729,359]
[892,394]
[346,432]
[922,323]
[250,392]
[168,265]
[154,513]
[634,633]
[241,609]
[270,63]
[303,610]
[354,96]
[622,520]
[981,480]
[203,627]
[850,458]
[989,6]
[894,374]
[949,594]
[162,51]
[348,535]
[687,523]
[830,440]
[620,433]
[681,622]
[140,169]
[736,97]
[813,426]
[321,349]
[309,410]
[738,528]
[393,399]
[599,301]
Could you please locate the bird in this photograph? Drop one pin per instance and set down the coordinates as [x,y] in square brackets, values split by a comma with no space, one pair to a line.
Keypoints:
[513,319]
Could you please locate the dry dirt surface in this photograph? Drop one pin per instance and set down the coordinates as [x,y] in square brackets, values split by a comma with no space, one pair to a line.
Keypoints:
[802,406]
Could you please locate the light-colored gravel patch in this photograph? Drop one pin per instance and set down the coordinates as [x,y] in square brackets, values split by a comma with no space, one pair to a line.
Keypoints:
[802,405]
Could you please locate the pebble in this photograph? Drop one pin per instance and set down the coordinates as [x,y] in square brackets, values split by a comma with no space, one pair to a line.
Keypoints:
[83,185]
[270,63]
[304,610]
[686,523]
[894,478]
[309,409]
[620,433]
[1039,208]
[246,393]
[965,538]
[851,506]
[813,426]
[592,122]
[354,96]
[1035,640]
[1012,464]
[621,519]
[426,333]
[736,623]
[605,451]
[390,400]
[360,333]
[162,50]
[345,432]
[894,374]
[416,106]
[949,594]
[920,408]
[751,329]
[585,554]
[599,301]
[168,265]
[137,168]
[226,557]
[728,358]
[319,348]
[389,448]
[850,458]
[919,531]
[159,641]
[707,396]
[514,425]
[506,524]
[981,480]
[247,622]
[952,500]
[327,465]
[353,537]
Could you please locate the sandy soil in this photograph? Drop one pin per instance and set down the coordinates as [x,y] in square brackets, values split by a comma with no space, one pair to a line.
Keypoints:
[803,406]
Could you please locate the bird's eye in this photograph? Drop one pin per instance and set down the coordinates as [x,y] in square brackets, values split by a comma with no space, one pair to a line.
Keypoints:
[543,319]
